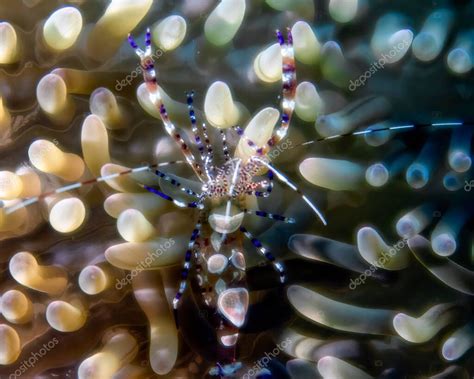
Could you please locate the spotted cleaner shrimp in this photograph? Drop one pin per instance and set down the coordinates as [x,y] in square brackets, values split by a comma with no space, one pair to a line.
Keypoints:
[220,266]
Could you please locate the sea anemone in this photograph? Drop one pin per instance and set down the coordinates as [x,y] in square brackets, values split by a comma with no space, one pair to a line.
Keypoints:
[379,149]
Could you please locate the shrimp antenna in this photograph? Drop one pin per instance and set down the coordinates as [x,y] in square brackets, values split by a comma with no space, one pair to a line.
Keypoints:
[77,185]
[389,128]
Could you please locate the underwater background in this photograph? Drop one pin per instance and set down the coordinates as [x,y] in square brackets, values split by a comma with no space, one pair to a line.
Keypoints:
[384,290]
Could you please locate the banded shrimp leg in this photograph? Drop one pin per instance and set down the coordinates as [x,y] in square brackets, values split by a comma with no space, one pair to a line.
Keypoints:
[149,75]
